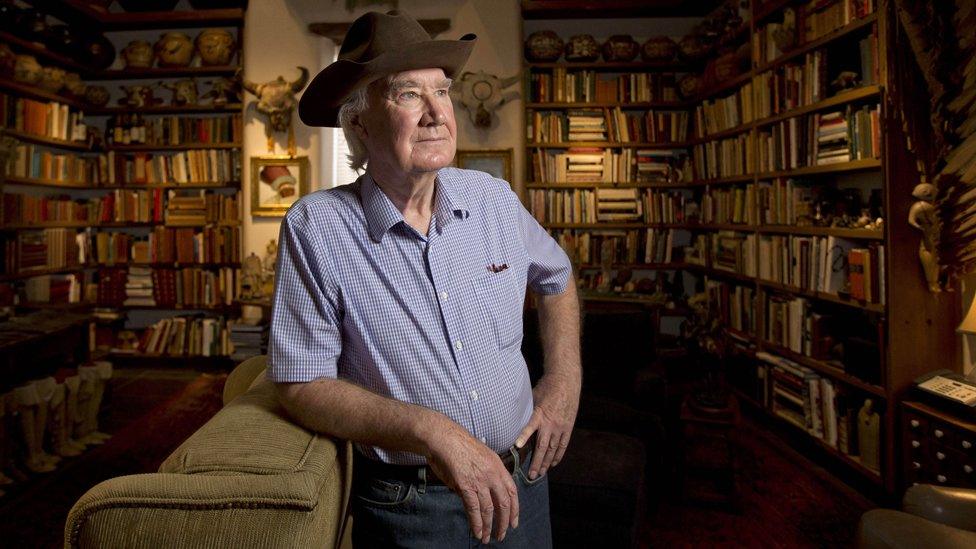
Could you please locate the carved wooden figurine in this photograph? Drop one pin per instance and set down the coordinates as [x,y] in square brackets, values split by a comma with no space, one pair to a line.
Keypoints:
[922,216]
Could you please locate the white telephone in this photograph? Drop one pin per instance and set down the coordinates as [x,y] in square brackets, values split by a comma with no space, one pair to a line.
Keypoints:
[949,385]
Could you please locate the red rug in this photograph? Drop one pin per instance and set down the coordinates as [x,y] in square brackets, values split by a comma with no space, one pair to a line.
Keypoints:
[35,517]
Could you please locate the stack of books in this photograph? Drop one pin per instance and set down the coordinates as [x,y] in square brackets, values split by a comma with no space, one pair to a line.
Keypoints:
[139,288]
[248,337]
[832,143]
[618,205]
[186,208]
[587,125]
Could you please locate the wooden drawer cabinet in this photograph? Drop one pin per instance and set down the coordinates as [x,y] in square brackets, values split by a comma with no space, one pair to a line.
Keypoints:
[936,447]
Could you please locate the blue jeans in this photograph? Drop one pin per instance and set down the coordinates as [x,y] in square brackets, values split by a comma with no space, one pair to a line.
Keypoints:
[397,513]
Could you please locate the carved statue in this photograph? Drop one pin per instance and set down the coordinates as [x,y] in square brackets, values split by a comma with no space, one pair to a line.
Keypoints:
[222,91]
[276,100]
[251,275]
[481,95]
[923,216]
[268,269]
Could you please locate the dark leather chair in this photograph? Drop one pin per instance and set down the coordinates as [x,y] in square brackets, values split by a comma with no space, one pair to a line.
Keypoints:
[932,516]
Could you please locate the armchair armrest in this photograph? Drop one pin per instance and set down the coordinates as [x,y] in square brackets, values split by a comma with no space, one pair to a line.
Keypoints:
[229,510]
[954,507]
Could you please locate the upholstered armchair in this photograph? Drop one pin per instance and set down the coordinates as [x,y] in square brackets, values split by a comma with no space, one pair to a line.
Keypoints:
[932,516]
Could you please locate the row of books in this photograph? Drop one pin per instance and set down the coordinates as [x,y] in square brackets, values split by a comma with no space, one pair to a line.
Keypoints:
[123,206]
[35,162]
[563,206]
[784,201]
[60,248]
[194,166]
[40,250]
[611,247]
[162,287]
[179,130]
[724,158]
[829,264]
[817,405]
[716,115]
[792,323]
[595,165]
[724,250]
[187,336]
[735,304]
[729,205]
[614,125]
[815,20]
[53,288]
[583,86]
[792,85]
[42,118]
[821,139]
[248,337]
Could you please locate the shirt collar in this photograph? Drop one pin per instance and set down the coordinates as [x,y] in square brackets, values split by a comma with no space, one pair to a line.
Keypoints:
[382,215]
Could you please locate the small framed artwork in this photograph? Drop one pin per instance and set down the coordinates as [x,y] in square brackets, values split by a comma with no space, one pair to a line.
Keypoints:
[497,162]
[276,183]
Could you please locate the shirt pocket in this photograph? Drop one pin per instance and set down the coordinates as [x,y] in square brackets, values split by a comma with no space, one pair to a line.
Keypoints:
[501,299]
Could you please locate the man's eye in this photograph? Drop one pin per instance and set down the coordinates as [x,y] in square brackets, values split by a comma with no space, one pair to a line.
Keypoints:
[441,93]
[409,96]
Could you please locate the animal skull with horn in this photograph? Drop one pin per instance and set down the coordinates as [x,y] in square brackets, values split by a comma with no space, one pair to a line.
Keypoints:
[276,100]
[481,94]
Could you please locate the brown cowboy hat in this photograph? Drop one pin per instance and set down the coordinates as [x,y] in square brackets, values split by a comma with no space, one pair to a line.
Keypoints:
[377,45]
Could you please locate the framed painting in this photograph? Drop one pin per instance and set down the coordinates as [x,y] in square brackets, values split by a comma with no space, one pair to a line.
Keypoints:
[276,183]
[497,162]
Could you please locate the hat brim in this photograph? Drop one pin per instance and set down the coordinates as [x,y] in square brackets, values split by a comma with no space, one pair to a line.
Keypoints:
[319,105]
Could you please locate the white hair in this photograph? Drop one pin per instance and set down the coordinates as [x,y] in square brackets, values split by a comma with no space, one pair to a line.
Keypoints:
[353,107]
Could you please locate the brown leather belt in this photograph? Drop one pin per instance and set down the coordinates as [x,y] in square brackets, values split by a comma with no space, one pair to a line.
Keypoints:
[363,465]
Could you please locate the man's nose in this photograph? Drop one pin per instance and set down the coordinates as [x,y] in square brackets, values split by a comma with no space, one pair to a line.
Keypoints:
[435,111]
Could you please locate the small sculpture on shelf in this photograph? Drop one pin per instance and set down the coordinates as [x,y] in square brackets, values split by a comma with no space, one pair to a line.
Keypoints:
[923,216]
[268,267]
[139,96]
[184,91]
[251,277]
[223,91]
[846,80]
[785,33]
[276,100]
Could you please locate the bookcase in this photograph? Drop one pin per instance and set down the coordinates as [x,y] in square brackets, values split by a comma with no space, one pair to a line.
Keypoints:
[129,210]
[765,191]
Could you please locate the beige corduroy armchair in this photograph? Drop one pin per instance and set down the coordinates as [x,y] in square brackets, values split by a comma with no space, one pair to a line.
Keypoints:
[932,517]
[249,477]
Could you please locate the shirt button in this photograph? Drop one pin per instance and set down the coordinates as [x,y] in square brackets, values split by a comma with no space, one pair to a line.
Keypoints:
[458,345]
[443,296]
[474,395]
[483,441]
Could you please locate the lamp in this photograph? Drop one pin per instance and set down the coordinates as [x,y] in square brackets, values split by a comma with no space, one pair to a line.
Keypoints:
[968,329]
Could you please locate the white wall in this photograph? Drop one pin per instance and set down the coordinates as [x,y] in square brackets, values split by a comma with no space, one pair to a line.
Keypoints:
[277,40]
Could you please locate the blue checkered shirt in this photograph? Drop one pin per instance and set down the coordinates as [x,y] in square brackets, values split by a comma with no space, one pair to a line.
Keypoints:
[435,319]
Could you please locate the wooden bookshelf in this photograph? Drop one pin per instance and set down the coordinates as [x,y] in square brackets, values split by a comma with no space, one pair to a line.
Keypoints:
[182,147]
[81,185]
[48,141]
[36,182]
[606,145]
[822,296]
[43,54]
[613,66]
[826,169]
[21,89]
[163,72]
[668,105]
[850,28]
[842,98]
[234,108]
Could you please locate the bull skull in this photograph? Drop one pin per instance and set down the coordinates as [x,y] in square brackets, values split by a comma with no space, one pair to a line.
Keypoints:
[276,100]
[481,94]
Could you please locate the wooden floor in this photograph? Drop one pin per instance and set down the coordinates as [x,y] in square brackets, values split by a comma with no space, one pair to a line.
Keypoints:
[784,499]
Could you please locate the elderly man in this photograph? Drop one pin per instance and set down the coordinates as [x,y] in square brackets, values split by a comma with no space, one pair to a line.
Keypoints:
[397,317]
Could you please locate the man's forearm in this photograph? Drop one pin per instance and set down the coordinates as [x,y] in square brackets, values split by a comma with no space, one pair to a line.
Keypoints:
[559,322]
[345,410]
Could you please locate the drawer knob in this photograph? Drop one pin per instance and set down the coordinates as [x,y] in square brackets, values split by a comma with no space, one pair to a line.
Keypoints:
[941,478]
[966,444]
[940,455]
[916,444]
[916,465]
[967,468]
[939,433]
[915,424]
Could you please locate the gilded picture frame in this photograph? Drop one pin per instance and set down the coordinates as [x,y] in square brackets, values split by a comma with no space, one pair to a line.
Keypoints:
[276,183]
[497,162]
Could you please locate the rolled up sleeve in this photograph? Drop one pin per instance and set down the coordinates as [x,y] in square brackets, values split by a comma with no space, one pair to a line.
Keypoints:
[305,340]
[549,266]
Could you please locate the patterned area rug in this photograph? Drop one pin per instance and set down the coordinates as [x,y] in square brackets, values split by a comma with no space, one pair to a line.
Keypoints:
[150,414]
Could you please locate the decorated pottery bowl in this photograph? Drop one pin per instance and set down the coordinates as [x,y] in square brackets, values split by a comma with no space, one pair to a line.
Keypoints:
[582,47]
[215,46]
[174,49]
[137,54]
[27,70]
[97,95]
[543,46]
[659,49]
[620,47]
[52,79]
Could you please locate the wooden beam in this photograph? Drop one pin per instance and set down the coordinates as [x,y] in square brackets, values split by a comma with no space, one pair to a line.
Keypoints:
[337,31]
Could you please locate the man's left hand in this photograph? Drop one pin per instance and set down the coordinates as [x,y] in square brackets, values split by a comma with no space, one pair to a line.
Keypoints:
[556,402]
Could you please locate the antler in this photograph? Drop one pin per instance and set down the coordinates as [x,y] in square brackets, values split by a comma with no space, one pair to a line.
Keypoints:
[297,85]
[245,83]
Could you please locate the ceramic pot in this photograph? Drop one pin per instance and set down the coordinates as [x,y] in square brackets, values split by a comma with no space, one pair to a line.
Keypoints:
[96,51]
[52,79]
[659,49]
[27,70]
[97,95]
[620,47]
[8,60]
[215,46]
[543,46]
[174,49]
[693,49]
[74,85]
[137,54]
[582,47]
[147,5]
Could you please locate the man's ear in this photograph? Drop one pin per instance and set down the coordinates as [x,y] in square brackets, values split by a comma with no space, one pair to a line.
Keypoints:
[359,127]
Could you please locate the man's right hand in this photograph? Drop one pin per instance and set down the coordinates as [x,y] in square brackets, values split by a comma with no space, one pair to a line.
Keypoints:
[476,473]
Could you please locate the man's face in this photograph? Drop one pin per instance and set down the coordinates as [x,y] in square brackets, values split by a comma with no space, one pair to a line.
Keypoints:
[409,126]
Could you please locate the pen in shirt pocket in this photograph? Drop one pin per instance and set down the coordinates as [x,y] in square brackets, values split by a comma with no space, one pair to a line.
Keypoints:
[497,268]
